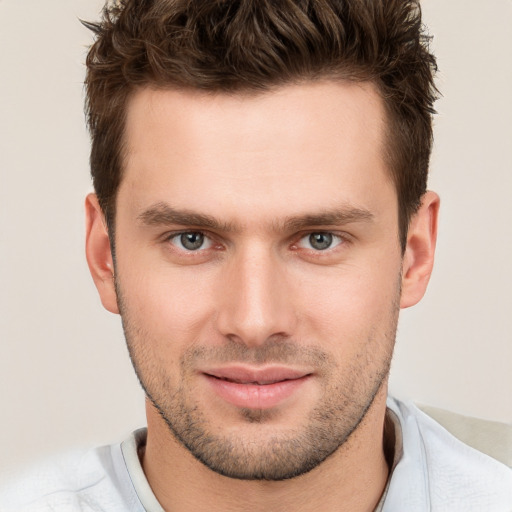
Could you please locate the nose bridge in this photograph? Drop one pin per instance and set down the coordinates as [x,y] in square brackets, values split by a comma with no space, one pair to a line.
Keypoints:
[256,304]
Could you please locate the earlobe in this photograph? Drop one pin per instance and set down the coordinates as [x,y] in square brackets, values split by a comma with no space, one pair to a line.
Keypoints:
[98,253]
[419,253]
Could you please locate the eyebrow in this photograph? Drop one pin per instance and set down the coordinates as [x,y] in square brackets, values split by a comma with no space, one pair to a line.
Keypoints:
[162,214]
[336,217]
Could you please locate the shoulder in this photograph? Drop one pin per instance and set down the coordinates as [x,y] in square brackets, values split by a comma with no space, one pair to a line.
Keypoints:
[77,481]
[438,469]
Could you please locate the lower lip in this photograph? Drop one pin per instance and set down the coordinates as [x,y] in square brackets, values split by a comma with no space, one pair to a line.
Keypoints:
[255,396]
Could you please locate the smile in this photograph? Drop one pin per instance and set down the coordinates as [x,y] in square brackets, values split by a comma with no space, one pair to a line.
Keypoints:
[259,383]
[256,388]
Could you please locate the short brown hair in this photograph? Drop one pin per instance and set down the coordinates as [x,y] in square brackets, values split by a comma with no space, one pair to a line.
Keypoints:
[253,45]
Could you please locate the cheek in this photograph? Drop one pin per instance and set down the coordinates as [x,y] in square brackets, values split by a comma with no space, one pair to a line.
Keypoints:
[168,304]
[349,305]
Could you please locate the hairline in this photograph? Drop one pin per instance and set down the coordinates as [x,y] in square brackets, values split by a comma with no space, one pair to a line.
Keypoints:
[388,143]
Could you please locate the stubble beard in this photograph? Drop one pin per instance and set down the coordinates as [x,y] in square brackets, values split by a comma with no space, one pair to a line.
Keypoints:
[347,397]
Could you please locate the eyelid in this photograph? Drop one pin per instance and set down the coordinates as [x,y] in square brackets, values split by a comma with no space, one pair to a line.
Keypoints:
[343,237]
[169,236]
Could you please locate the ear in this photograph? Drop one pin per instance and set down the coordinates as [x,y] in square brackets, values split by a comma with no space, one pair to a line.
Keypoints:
[98,253]
[419,252]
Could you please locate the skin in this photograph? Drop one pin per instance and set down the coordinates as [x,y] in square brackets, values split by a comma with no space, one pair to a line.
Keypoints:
[260,174]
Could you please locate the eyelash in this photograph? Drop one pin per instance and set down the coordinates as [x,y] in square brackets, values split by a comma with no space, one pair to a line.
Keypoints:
[342,238]
[334,238]
[170,236]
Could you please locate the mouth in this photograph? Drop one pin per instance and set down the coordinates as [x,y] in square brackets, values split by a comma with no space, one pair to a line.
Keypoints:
[256,382]
[256,388]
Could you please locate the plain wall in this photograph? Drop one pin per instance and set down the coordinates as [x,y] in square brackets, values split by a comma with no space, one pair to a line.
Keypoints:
[65,376]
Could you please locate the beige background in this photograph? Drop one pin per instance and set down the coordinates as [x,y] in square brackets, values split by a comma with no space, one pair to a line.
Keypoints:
[65,377]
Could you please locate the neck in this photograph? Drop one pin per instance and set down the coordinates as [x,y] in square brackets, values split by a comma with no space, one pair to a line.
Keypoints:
[351,479]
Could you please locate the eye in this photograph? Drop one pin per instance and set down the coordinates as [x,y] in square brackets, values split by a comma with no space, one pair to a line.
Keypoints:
[320,241]
[191,241]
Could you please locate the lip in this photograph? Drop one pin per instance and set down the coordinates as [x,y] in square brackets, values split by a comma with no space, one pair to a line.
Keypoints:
[255,388]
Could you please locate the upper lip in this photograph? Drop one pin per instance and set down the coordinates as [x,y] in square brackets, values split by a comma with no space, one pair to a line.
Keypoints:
[262,376]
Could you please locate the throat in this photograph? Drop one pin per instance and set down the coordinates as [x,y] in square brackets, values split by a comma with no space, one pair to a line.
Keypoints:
[351,479]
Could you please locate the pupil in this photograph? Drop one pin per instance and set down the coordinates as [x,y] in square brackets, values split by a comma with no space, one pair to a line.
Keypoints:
[320,241]
[192,241]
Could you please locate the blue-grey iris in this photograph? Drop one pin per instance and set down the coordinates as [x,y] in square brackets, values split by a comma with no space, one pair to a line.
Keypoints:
[320,241]
[192,241]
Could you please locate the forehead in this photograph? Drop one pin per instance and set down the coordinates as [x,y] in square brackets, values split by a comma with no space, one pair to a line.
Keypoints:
[307,143]
[338,110]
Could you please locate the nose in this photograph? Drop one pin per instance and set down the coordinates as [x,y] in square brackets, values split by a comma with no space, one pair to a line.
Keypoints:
[255,301]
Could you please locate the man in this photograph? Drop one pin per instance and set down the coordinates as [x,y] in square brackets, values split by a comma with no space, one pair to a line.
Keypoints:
[260,215]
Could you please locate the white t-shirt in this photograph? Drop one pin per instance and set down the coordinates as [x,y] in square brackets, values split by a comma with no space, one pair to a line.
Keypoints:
[432,471]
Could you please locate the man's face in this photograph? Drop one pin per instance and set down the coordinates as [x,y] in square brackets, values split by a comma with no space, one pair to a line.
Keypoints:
[258,269]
